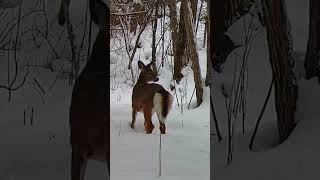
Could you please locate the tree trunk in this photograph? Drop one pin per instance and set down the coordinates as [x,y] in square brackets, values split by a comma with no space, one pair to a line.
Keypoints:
[280,52]
[313,52]
[192,45]
[209,65]
[194,7]
[180,47]
[216,31]
[154,37]
[173,24]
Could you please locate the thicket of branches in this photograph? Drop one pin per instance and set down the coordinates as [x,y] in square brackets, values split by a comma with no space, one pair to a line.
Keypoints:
[272,15]
[170,27]
[32,45]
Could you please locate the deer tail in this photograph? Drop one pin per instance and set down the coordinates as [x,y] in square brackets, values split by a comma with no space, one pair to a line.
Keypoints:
[166,102]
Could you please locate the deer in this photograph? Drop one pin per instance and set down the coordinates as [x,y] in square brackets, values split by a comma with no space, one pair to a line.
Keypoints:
[89,116]
[149,97]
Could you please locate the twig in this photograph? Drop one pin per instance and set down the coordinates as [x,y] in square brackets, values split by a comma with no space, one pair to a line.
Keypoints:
[215,120]
[194,89]
[160,156]
[38,84]
[261,114]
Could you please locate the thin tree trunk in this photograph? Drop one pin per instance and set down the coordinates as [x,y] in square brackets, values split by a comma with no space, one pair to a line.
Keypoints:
[215,121]
[281,60]
[154,36]
[216,30]
[180,47]
[261,114]
[173,24]
[192,45]
[313,52]
[194,8]
[209,65]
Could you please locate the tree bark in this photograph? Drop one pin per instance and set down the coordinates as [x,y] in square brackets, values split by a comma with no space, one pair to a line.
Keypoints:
[280,52]
[154,37]
[180,47]
[173,24]
[216,31]
[313,52]
[194,7]
[192,45]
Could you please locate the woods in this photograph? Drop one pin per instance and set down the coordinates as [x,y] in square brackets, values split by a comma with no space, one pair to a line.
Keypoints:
[263,91]
[167,78]
[164,45]
[130,21]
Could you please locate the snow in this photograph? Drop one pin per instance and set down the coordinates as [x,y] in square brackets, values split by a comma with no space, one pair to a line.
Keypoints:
[185,146]
[297,157]
[4,4]
[41,150]
[185,150]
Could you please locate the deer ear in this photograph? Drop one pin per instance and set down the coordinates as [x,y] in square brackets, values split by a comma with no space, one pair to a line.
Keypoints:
[150,65]
[141,65]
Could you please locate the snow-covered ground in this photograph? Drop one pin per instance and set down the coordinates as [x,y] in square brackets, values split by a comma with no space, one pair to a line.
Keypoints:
[297,157]
[185,146]
[39,148]
[185,152]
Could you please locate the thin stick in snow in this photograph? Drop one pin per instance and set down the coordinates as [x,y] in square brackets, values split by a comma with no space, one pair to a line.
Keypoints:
[160,156]
[261,114]
[181,106]
[31,119]
[191,97]
[215,120]
[24,117]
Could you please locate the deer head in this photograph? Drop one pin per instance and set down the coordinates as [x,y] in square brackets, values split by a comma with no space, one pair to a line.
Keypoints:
[147,74]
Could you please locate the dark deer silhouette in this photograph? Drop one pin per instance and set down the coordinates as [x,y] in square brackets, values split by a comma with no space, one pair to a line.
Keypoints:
[89,110]
[149,98]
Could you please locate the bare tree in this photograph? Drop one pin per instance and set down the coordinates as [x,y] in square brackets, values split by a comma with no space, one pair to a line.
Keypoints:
[216,30]
[173,24]
[192,45]
[154,34]
[313,55]
[280,50]
[194,8]
[180,47]
[180,41]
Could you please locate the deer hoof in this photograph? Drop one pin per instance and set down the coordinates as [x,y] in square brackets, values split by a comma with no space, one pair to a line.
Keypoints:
[132,126]
[162,128]
[149,130]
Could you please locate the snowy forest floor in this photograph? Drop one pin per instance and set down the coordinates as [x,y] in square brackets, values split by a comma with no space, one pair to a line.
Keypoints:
[38,149]
[185,146]
[297,157]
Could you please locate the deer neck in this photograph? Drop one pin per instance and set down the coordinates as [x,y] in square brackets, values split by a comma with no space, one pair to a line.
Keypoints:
[141,81]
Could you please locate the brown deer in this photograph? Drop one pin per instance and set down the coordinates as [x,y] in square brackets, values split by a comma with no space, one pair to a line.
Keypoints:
[89,110]
[148,97]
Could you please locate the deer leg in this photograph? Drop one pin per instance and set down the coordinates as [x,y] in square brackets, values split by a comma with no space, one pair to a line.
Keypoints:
[162,122]
[134,113]
[78,166]
[148,121]
[162,128]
